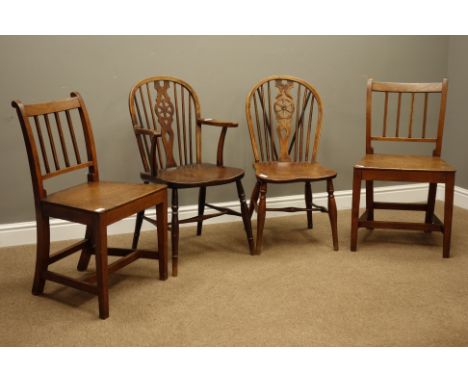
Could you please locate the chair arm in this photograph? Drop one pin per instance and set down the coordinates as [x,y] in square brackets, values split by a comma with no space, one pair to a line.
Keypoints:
[225,125]
[215,122]
[154,136]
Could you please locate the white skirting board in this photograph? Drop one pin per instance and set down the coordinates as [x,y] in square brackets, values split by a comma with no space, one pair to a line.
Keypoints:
[25,232]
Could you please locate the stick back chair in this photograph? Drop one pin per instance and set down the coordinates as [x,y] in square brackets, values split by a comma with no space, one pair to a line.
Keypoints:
[405,168]
[167,122]
[55,146]
[284,116]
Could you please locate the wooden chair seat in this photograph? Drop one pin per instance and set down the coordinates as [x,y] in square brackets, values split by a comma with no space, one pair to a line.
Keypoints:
[101,197]
[199,175]
[285,172]
[404,163]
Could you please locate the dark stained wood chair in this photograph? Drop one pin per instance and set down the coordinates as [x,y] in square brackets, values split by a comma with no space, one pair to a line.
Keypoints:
[55,146]
[284,115]
[405,168]
[167,122]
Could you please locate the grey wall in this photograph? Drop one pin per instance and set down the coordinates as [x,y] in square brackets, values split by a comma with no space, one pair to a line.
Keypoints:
[456,133]
[222,70]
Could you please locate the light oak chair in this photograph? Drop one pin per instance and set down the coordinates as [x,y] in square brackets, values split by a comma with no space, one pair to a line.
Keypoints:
[56,147]
[284,116]
[167,122]
[404,168]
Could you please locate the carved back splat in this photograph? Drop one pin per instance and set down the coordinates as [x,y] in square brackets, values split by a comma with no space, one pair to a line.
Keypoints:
[284,115]
[170,106]
[284,110]
[165,112]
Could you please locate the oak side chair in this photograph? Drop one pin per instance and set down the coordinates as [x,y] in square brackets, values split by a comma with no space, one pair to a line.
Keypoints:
[56,147]
[284,116]
[405,168]
[167,122]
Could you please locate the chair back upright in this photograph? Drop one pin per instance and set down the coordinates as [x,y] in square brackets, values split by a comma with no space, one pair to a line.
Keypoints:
[58,138]
[418,102]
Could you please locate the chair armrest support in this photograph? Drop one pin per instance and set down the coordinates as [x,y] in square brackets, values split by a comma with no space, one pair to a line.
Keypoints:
[154,136]
[225,125]
[219,155]
[216,122]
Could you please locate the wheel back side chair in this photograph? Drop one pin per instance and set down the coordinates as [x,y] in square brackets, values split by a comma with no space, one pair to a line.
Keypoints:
[59,139]
[284,115]
[167,122]
[405,168]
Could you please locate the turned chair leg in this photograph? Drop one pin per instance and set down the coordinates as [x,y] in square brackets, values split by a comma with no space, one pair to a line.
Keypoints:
[42,253]
[86,252]
[102,273]
[201,208]
[254,198]
[261,216]
[332,214]
[175,231]
[448,214]
[138,224]
[308,201]
[357,177]
[370,200]
[245,216]
[431,198]
[161,226]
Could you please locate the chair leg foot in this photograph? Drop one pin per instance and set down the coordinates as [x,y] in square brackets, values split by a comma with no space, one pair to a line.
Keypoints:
[175,232]
[261,217]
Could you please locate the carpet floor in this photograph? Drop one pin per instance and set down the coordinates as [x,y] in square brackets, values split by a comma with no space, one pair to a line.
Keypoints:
[396,290]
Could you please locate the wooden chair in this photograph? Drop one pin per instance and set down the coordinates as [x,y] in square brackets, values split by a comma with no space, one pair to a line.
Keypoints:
[174,156]
[56,147]
[405,168]
[284,115]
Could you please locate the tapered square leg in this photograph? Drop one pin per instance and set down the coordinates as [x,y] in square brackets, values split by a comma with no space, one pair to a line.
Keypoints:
[175,232]
[370,200]
[332,214]
[42,253]
[86,252]
[448,214]
[357,177]
[138,224]
[245,216]
[102,273]
[161,219]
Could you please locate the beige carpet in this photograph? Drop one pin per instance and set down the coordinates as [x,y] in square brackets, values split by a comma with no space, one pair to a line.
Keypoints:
[396,290]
